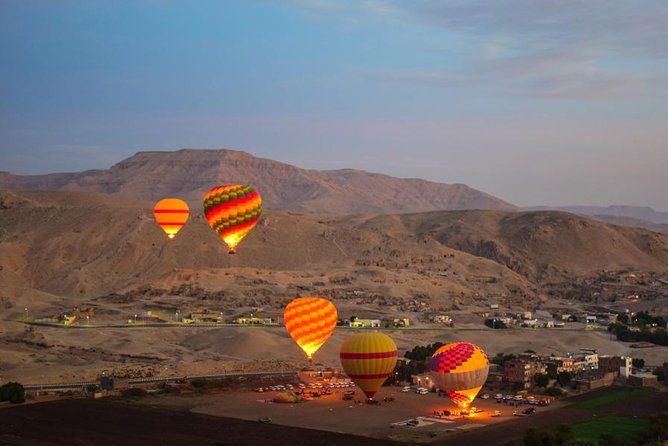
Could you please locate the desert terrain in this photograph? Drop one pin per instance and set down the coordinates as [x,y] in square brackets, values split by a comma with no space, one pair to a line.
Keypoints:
[104,258]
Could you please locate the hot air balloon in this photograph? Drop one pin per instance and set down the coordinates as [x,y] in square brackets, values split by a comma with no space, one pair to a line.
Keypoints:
[459,369]
[310,321]
[232,210]
[368,359]
[171,214]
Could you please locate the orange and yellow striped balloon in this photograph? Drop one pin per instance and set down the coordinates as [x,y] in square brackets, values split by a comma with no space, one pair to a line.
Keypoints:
[460,369]
[310,321]
[232,210]
[171,214]
[368,359]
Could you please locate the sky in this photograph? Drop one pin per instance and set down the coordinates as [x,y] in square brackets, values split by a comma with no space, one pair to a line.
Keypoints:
[537,102]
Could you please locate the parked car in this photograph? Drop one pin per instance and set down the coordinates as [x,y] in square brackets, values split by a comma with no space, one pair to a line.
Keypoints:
[406,389]
[529,410]
[499,396]
[485,396]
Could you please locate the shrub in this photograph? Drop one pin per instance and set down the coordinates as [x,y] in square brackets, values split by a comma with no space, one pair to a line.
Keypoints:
[134,391]
[12,392]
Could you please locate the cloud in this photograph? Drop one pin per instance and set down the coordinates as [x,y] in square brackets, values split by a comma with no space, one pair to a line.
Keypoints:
[595,49]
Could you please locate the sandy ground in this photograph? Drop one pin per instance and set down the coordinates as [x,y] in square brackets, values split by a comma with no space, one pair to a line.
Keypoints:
[42,355]
[178,420]
[331,413]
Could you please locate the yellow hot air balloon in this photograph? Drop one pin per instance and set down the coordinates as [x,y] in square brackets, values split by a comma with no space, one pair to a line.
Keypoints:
[368,359]
[171,214]
[232,210]
[459,369]
[310,321]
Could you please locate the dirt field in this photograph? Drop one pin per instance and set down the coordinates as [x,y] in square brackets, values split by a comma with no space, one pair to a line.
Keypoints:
[331,413]
[170,421]
[43,355]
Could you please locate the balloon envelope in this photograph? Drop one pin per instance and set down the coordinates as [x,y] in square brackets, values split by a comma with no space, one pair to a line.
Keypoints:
[232,210]
[460,369]
[368,359]
[310,321]
[171,214]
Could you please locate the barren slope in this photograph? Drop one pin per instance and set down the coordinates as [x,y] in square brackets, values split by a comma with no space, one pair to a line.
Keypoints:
[189,174]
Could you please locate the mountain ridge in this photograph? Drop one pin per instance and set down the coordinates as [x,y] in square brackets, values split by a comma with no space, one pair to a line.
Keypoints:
[189,173]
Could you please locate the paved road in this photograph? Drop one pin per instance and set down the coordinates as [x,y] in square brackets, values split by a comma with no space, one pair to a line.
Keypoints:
[259,326]
[81,385]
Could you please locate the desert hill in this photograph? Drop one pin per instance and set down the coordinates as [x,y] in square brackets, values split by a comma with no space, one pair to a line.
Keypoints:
[620,214]
[545,245]
[190,173]
[85,245]
[104,255]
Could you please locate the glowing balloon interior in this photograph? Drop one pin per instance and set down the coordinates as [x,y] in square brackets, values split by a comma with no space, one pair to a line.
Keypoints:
[310,321]
[171,214]
[368,359]
[232,211]
[460,370]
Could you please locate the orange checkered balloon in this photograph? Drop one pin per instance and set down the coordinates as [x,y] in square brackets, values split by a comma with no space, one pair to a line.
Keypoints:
[460,369]
[310,321]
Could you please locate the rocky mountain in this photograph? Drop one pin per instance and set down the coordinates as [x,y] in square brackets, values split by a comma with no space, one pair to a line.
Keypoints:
[189,174]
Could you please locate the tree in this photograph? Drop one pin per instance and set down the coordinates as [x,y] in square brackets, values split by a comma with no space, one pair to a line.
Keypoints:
[12,392]
[541,379]
[494,323]
[533,437]
[553,391]
[563,378]
[501,359]
[563,435]
[623,318]
[638,363]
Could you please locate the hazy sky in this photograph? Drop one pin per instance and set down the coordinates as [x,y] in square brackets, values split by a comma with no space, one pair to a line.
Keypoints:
[537,102]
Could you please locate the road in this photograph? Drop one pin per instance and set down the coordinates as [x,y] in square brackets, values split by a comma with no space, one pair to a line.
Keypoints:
[134,382]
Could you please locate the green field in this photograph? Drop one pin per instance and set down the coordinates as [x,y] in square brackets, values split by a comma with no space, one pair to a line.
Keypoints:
[622,428]
[613,397]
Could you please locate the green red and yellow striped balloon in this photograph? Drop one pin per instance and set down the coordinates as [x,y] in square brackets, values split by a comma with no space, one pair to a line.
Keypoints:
[171,214]
[460,369]
[310,321]
[232,210]
[368,359]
